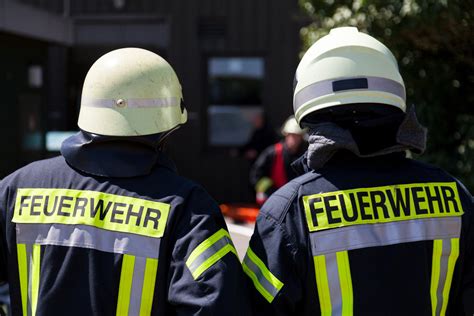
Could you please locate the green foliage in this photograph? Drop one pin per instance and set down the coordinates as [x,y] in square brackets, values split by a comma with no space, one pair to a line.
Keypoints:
[433,40]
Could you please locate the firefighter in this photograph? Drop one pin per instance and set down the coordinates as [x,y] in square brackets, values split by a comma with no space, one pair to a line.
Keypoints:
[108,227]
[273,167]
[364,230]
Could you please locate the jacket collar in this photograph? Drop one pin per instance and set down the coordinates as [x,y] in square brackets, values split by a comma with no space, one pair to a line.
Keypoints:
[116,157]
[330,143]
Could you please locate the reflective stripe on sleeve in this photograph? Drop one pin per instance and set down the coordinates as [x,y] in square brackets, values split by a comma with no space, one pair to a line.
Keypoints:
[445,254]
[137,285]
[209,252]
[29,268]
[264,281]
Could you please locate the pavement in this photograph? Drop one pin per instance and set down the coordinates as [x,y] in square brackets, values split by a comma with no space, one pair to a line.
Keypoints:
[240,234]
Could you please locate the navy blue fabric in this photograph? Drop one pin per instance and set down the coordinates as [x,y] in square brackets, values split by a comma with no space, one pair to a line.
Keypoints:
[390,280]
[112,156]
[79,281]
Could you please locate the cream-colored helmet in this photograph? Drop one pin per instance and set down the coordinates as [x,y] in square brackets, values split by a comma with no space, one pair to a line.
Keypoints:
[131,92]
[292,127]
[347,67]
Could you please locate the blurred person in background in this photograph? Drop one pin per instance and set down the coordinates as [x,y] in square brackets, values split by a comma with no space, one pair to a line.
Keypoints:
[109,227]
[273,167]
[263,136]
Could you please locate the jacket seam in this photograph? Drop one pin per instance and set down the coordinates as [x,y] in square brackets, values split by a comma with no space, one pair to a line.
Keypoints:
[289,243]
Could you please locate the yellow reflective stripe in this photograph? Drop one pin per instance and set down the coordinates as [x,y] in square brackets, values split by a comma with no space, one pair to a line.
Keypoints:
[264,281]
[213,259]
[23,274]
[453,256]
[265,271]
[206,244]
[345,282]
[92,208]
[125,286]
[35,277]
[148,290]
[209,252]
[382,204]
[322,285]
[435,271]
[256,283]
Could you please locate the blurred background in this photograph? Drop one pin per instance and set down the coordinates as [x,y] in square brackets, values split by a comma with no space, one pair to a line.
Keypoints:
[236,61]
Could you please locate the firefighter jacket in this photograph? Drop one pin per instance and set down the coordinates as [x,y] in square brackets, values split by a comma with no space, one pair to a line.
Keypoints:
[109,228]
[384,235]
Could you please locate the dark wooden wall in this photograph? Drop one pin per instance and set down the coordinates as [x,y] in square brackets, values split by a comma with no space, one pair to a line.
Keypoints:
[234,27]
[200,29]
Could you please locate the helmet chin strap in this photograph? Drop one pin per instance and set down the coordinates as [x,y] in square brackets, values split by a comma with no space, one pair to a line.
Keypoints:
[164,136]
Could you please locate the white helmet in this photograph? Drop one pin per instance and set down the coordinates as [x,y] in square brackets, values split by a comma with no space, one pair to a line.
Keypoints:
[347,67]
[292,127]
[131,92]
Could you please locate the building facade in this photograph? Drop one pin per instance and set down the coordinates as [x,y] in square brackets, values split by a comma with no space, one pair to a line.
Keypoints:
[235,59]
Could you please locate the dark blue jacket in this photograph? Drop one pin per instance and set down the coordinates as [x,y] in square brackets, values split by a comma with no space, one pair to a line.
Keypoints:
[148,243]
[364,236]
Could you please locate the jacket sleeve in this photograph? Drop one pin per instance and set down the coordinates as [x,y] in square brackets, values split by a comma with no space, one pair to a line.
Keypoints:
[262,166]
[273,283]
[206,277]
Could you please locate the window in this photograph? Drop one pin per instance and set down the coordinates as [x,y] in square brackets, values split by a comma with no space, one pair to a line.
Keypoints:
[235,99]
[54,139]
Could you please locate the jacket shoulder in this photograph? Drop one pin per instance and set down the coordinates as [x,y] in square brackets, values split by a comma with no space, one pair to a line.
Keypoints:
[51,166]
[279,203]
[427,166]
[442,173]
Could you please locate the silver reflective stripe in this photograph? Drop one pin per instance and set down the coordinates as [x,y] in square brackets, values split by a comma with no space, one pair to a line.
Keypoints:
[84,236]
[261,278]
[209,252]
[374,235]
[132,103]
[334,284]
[325,87]
[137,286]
